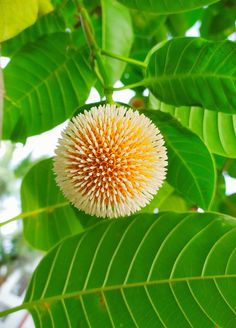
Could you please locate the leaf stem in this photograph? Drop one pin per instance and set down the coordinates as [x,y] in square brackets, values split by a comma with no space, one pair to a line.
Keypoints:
[95,50]
[25,215]
[131,86]
[124,59]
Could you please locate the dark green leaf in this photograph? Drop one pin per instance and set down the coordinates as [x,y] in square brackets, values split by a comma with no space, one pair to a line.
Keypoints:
[44,83]
[166,7]
[194,71]
[228,205]
[231,169]
[39,191]
[144,24]
[167,270]
[190,165]
[218,20]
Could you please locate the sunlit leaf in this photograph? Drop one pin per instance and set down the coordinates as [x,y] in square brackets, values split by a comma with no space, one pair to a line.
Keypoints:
[44,83]
[144,271]
[194,71]
[39,191]
[217,130]
[44,7]
[190,165]
[46,24]
[16,16]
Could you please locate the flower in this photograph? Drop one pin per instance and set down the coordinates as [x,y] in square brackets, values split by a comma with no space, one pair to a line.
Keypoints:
[110,161]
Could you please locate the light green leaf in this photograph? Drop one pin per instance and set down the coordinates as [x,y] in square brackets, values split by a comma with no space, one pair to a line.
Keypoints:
[195,72]
[164,193]
[166,7]
[46,24]
[217,130]
[44,83]
[117,36]
[44,7]
[166,199]
[191,168]
[145,271]
[174,203]
[1,101]
[16,16]
[44,229]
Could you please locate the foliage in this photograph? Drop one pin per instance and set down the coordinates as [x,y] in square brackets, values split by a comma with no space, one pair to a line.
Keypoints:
[173,269]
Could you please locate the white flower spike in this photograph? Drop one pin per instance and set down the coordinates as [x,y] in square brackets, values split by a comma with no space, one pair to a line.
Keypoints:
[110,161]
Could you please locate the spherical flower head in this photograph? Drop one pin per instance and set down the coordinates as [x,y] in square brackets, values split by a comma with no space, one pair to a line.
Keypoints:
[110,161]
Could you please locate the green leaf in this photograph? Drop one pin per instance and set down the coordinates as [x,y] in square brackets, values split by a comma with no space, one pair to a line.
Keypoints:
[228,205]
[232,169]
[16,16]
[218,20]
[143,24]
[117,37]
[195,72]
[1,101]
[39,191]
[191,168]
[44,83]
[178,24]
[45,7]
[166,7]
[166,199]
[46,24]
[217,130]
[145,271]
[174,203]
[163,193]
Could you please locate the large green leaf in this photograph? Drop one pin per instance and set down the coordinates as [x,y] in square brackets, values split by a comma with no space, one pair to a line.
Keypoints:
[46,24]
[16,16]
[44,83]
[190,165]
[217,130]
[38,192]
[194,71]
[168,270]
[117,36]
[166,7]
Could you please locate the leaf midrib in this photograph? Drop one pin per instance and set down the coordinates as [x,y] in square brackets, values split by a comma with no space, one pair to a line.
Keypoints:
[77,294]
